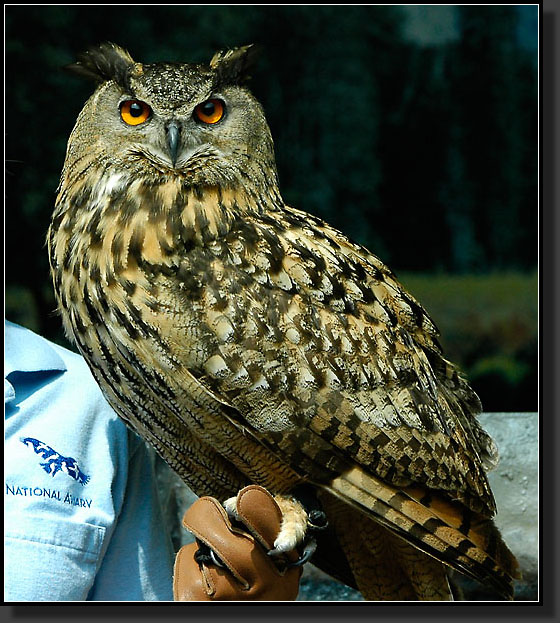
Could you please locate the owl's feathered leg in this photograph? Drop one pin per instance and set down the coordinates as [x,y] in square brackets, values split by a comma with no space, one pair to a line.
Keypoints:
[385,568]
[294,524]
[427,576]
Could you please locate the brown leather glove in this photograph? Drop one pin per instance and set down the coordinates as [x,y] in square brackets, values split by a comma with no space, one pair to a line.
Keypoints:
[247,572]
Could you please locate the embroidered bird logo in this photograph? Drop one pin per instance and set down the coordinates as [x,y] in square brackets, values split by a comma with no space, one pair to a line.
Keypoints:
[55,462]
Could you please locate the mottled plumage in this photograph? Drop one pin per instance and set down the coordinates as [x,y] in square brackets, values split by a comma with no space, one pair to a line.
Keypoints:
[251,342]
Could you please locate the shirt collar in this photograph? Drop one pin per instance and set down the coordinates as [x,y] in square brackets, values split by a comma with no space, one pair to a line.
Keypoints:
[25,351]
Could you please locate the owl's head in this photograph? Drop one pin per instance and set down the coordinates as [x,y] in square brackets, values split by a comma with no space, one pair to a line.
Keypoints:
[190,121]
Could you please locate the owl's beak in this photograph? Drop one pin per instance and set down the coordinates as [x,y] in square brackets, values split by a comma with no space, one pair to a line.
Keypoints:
[173,133]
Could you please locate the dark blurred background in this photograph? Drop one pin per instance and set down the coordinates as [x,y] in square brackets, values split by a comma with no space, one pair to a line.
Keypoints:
[412,129]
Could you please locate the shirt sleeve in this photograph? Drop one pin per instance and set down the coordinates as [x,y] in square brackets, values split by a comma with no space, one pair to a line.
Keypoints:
[50,560]
[138,563]
[82,519]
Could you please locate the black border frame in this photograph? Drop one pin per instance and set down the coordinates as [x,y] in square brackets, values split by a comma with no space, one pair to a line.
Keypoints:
[546,608]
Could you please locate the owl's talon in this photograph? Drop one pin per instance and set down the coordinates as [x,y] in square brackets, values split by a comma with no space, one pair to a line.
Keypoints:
[308,552]
[306,555]
[274,553]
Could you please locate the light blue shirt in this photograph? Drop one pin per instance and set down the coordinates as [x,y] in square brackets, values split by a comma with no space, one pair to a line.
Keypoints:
[82,515]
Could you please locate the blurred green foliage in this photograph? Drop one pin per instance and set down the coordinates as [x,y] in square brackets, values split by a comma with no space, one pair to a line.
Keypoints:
[489,327]
[427,154]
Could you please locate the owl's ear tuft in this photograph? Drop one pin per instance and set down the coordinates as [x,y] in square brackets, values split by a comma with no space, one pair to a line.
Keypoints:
[106,61]
[233,66]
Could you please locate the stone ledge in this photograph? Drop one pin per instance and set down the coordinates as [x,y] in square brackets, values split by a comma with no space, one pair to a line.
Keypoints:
[515,486]
[515,483]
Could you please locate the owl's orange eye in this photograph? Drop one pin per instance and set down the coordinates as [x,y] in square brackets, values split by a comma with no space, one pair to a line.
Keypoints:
[210,111]
[135,112]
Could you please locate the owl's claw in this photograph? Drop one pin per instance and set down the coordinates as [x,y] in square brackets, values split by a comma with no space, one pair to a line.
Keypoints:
[308,551]
[298,521]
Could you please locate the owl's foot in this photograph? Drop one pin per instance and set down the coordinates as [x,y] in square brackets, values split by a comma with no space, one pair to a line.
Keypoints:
[292,528]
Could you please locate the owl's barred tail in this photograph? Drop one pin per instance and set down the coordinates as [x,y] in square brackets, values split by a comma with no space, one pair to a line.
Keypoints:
[446,531]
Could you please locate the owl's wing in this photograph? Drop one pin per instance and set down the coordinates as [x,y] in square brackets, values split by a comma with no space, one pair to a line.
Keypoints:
[410,387]
[305,333]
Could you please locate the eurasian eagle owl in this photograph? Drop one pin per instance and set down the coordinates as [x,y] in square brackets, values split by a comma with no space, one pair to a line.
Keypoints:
[249,341]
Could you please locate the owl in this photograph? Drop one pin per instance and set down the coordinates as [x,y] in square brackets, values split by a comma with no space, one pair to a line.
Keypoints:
[251,342]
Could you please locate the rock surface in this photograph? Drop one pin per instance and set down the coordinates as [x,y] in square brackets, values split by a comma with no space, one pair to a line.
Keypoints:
[515,486]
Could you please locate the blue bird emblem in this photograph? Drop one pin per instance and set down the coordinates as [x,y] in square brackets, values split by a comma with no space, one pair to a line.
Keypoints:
[55,462]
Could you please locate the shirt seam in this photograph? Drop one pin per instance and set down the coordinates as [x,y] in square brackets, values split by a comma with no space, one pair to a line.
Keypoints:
[93,551]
